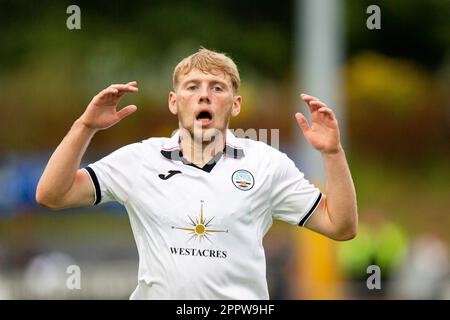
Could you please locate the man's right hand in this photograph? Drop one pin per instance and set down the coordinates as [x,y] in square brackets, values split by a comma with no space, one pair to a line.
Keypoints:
[101,113]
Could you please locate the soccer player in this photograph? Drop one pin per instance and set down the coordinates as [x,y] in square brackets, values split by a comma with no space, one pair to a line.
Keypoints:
[200,202]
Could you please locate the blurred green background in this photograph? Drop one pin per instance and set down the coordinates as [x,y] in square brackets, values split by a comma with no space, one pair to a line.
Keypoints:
[396,84]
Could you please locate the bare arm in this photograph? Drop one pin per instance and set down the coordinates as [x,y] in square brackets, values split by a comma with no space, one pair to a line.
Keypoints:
[337,215]
[63,184]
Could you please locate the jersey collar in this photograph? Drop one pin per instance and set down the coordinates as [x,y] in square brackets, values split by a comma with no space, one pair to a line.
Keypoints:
[233,148]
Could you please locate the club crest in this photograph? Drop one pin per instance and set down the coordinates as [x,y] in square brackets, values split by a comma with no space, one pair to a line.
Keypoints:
[243,180]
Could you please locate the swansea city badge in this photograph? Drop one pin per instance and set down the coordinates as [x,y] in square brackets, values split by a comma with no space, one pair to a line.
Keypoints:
[243,180]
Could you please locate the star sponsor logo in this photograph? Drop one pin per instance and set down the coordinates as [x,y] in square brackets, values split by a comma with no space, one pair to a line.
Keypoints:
[200,227]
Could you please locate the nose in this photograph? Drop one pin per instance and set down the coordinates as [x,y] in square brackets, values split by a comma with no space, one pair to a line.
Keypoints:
[204,95]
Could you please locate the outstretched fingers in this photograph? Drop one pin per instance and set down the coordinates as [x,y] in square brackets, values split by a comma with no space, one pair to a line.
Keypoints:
[312,102]
[126,111]
[316,105]
[106,95]
[302,122]
[307,98]
[109,90]
[122,88]
[117,90]
[326,111]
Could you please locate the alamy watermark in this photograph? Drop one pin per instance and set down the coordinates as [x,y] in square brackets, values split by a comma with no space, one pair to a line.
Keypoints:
[211,140]
[374,20]
[374,280]
[73,22]
[73,281]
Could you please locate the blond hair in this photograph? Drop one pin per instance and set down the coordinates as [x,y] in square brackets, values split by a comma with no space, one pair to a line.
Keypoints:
[208,61]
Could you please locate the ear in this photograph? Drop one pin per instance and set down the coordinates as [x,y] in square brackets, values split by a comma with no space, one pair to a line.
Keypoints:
[236,108]
[172,101]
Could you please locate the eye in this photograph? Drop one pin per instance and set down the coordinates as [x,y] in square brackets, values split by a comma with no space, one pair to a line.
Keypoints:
[217,89]
[192,87]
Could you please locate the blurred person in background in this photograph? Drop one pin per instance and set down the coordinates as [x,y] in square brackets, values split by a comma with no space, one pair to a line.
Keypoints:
[280,257]
[425,273]
[380,242]
[203,183]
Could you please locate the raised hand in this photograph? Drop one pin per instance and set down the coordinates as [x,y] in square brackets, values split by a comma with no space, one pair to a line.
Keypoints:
[323,134]
[101,113]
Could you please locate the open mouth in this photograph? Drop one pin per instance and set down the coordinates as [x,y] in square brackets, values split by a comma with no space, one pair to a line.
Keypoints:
[204,116]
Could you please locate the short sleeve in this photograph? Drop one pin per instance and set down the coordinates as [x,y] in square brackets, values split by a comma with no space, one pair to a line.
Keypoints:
[293,198]
[112,176]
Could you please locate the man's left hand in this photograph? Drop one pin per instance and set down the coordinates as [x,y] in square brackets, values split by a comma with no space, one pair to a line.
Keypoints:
[323,134]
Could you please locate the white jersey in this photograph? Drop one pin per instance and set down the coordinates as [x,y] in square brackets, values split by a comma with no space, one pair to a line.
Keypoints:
[199,231]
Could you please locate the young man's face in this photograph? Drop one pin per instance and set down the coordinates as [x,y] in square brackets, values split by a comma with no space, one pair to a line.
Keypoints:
[204,103]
